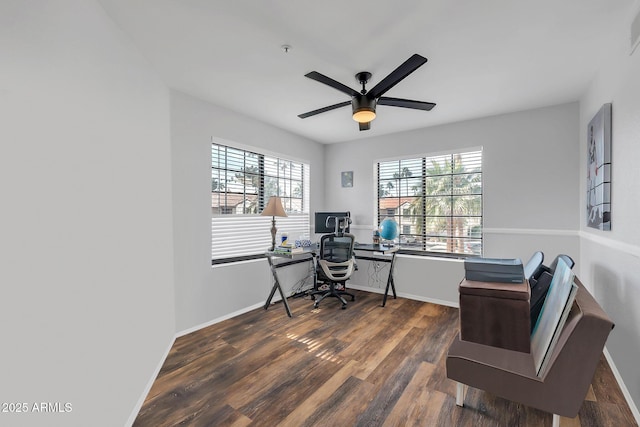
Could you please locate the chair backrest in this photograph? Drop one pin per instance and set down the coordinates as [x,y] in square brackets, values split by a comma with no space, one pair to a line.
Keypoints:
[337,248]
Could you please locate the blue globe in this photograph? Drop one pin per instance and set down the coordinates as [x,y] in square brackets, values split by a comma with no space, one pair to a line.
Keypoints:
[388,229]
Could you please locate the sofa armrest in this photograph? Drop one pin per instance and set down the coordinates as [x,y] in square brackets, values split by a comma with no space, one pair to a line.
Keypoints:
[496,314]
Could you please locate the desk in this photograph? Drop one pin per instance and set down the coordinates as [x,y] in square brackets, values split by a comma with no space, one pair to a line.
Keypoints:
[308,253]
[384,249]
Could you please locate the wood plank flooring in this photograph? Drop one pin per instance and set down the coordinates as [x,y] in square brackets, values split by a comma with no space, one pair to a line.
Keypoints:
[364,366]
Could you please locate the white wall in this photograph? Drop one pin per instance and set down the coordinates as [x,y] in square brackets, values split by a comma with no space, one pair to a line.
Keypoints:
[85,232]
[203,293]
[609,260]
[530,178]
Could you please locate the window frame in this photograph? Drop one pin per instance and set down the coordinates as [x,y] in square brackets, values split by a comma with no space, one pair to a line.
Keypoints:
[471,244]
[240,231]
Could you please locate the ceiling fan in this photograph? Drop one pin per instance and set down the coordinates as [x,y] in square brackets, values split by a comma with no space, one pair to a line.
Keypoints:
[364,103]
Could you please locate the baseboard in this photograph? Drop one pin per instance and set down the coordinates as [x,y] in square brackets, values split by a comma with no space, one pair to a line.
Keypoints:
[623,387]
[404,295]
[453,304]
[136,408]
[219,319]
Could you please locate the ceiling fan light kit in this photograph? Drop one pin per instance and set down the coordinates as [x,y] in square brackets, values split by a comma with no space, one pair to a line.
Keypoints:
[364,103]
[364,109]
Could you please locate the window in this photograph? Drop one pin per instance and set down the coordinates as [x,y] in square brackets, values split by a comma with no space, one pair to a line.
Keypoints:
[241,184]
[436,201]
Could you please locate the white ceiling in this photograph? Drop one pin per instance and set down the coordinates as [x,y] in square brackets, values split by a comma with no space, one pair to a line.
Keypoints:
[485,57]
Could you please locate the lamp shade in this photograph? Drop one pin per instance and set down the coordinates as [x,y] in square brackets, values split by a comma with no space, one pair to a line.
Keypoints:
[274,208]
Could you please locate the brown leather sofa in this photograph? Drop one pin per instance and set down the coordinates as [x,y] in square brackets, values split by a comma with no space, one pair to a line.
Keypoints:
[508,373]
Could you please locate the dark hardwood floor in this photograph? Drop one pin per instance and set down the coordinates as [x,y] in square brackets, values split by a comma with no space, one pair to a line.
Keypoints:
[363,366]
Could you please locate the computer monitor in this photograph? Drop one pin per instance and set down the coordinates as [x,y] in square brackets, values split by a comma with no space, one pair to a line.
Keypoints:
[325,222]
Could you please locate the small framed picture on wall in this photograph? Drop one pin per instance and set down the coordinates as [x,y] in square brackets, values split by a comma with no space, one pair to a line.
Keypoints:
[347,179]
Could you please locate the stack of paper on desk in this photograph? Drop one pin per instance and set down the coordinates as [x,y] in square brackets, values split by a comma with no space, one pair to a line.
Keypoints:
[288,249]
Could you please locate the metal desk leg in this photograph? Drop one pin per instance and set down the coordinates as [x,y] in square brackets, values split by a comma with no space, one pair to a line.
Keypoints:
[390,281]
[314,262]
[276,285]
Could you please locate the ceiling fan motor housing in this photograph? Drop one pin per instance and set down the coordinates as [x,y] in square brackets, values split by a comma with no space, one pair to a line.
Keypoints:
[364,108]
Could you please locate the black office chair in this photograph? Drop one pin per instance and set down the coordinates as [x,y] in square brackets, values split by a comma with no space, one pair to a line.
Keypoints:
[336,264]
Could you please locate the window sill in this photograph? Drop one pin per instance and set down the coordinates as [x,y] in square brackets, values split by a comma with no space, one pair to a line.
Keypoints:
[236,259]
[419,253]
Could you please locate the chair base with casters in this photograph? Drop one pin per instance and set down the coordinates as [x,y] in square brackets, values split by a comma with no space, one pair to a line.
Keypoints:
[332,292]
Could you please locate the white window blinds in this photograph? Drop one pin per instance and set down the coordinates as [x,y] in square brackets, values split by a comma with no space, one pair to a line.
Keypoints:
[241,184]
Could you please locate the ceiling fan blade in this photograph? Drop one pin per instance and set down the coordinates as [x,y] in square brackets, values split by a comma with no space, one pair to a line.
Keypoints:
[314,75]
[406,103]
[365,126]
[324,109]
[406,68]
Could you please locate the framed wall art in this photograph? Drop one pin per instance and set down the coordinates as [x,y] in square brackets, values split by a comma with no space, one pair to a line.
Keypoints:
[347,179]
[599,170]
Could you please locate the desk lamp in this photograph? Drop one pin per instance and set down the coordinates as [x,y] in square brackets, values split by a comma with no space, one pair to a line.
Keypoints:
[274,208]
